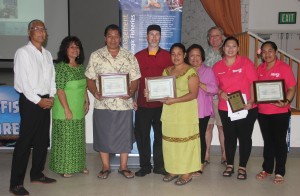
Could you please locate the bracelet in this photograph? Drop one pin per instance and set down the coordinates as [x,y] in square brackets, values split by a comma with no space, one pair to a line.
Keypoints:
[287,100]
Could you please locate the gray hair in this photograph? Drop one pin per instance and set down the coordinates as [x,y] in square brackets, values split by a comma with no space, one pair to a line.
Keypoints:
[33,21]
[213,28]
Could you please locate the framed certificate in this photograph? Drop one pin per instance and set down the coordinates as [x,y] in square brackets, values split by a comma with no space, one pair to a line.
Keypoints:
[236,101]
[269,91]
[160,87]
[114,85]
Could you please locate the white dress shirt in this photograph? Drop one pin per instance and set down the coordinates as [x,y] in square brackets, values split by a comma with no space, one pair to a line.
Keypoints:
[34,72]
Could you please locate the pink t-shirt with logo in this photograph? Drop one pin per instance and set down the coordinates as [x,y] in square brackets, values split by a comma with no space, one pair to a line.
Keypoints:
[239,76]
[280,71]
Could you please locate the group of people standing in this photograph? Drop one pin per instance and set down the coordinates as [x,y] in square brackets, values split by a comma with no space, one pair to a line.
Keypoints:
[182,125]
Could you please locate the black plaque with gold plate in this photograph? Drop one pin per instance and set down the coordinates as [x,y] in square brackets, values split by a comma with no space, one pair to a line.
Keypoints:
[236,101]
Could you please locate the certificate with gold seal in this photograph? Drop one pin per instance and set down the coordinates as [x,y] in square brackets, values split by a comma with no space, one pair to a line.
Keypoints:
[236,101]
[160,87]
[114,85]
[269,91]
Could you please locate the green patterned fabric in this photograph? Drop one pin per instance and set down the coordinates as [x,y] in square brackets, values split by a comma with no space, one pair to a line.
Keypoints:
[68,152]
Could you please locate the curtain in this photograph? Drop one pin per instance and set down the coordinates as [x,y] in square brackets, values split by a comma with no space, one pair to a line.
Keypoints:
[226,14]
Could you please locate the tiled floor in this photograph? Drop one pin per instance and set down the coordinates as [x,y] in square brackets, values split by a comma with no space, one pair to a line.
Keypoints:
[211,183]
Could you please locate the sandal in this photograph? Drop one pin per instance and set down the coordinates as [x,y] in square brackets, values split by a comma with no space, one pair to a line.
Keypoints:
[262,175]
[103,174]
[242,174]
[66,175]
[128,175]
[85,171]
[224,162]
[228,171]
[182,181]
[169,177]
[206,162]
[197,173]
[278,179]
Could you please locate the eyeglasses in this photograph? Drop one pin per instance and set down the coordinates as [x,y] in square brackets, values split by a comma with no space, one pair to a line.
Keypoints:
[38,29]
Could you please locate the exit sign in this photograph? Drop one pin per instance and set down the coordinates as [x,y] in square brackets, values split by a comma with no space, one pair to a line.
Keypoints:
[287,17]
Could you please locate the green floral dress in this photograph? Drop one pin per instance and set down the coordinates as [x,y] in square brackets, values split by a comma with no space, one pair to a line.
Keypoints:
[68,152]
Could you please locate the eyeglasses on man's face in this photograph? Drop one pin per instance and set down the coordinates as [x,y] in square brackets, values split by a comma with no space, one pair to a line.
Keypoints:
[39,29]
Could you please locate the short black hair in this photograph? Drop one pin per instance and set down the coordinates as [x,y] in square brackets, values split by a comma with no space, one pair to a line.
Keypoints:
[272,44]
[65,43]
[112,27]
[231,38]
[153,27]
[178,45]
[195,46]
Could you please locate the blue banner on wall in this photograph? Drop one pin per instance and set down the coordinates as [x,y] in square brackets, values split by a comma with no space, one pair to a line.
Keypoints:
[9,115]
[137,15]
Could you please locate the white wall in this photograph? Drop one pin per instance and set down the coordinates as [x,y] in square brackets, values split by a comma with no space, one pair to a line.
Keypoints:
[263,15]
[89,121]
[257,138]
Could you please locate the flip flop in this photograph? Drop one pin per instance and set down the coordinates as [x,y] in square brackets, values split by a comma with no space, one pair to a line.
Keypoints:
[103,174]
[206,162]
[85,171]
[66,175]
[278,179]
[197,173]
[169,177]
[123,173]
[262,175]
[181,181]
[224,162]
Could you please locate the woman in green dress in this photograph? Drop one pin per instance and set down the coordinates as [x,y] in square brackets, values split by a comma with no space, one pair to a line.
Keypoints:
[181,144]
[68,154]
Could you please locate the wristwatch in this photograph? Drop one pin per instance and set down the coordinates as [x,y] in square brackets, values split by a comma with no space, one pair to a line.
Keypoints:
[287,100]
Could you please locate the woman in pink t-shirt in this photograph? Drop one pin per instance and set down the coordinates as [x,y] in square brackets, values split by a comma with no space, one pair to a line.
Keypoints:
[236,73]
[273,118]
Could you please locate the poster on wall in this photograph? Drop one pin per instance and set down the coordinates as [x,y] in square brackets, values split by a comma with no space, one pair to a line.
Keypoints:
[9,116]
[137,15]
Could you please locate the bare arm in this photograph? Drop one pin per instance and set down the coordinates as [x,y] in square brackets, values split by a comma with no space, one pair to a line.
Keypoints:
[250,102]
[289,97]
[86,103]
[291,93]
[133,87]
[63,100]
[93,88]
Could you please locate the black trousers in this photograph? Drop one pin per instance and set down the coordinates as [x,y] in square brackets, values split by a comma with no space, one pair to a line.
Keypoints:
[238,130]
[34,133]
[144,119]
[274,129]
[202,128]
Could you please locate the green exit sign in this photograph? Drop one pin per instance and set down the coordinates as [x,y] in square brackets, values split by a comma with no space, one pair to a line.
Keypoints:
[287,17]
